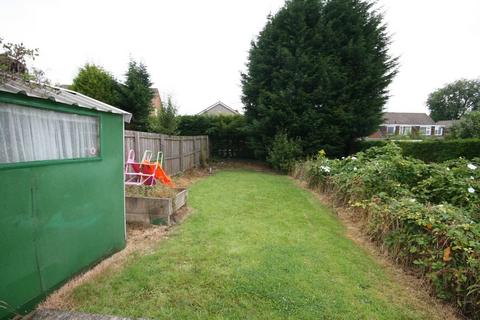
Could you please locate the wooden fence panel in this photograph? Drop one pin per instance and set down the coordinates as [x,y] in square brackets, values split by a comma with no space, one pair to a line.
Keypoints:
[180,153]
[172,155]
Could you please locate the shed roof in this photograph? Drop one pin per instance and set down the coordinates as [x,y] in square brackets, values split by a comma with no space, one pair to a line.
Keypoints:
[407,118]
[61,95]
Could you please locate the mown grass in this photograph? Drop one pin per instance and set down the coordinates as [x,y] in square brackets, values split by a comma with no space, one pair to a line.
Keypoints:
[255,247]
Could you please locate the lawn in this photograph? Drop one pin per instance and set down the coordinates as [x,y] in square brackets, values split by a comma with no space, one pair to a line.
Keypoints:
[255,247]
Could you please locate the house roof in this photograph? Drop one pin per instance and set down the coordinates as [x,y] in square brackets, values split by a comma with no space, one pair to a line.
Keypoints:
[219,103]
[407,118]
[61,95]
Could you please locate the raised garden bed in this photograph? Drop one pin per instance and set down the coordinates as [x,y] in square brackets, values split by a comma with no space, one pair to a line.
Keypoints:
[155,205]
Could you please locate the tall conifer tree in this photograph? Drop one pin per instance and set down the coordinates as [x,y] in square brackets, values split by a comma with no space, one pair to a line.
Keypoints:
[137,95]
[319,72]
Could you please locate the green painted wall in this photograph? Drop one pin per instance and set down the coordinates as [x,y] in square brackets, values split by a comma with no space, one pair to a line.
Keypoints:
[59,217]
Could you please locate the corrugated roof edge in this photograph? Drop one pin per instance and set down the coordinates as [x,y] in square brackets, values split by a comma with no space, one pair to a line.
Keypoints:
[127,115]
[62,95]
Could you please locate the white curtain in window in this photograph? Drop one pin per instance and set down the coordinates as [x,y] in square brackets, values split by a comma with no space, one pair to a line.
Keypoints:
[31,134]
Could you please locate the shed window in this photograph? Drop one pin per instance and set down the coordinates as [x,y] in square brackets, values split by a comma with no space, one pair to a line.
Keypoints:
[438,131]
[30,134]
[390,129]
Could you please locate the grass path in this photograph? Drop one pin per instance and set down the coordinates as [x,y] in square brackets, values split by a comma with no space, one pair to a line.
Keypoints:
[255,247]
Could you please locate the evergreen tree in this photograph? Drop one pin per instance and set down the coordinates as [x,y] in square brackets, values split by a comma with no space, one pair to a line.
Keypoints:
[95,82]
[136,95]
[454,100]
[318,72]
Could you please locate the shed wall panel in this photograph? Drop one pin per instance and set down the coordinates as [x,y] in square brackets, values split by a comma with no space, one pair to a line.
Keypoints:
[60,217]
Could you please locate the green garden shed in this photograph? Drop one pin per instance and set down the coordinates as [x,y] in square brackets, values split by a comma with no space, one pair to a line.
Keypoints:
[61,189]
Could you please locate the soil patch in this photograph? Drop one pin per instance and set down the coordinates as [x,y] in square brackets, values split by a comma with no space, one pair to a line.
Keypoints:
[218,165]
[181,214]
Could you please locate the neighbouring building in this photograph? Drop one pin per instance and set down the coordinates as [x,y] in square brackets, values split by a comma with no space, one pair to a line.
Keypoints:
[407,124]
[61,188]
[218,108]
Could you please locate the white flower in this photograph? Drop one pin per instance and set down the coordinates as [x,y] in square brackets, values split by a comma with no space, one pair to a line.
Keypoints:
[471,166]
[448,169]
[472,178]
[354,158]
[471,190]
[325,168]
[354,168]
[413,200]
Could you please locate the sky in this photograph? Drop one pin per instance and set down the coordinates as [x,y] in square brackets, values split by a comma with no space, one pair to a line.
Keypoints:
[196,50]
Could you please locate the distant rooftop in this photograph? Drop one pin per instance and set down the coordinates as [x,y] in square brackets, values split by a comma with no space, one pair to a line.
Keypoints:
[407,118]
[218,108]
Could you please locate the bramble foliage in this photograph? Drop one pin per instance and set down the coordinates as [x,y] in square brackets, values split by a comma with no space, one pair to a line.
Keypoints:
[284,153]
[319,72]
[454,100]
[426,215]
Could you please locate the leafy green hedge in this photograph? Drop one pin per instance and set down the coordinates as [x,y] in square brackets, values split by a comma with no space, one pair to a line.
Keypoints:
[426,215]
[432,150]
[227,134]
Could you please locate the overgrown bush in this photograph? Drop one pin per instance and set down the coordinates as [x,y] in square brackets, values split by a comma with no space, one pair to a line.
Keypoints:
[467,127]
[284,153]
[425,215]
[165,122]
[434,150]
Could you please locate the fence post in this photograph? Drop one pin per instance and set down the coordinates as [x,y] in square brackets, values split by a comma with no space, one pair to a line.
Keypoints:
[162,148]
[196,154]
[180,149]
[207,146]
